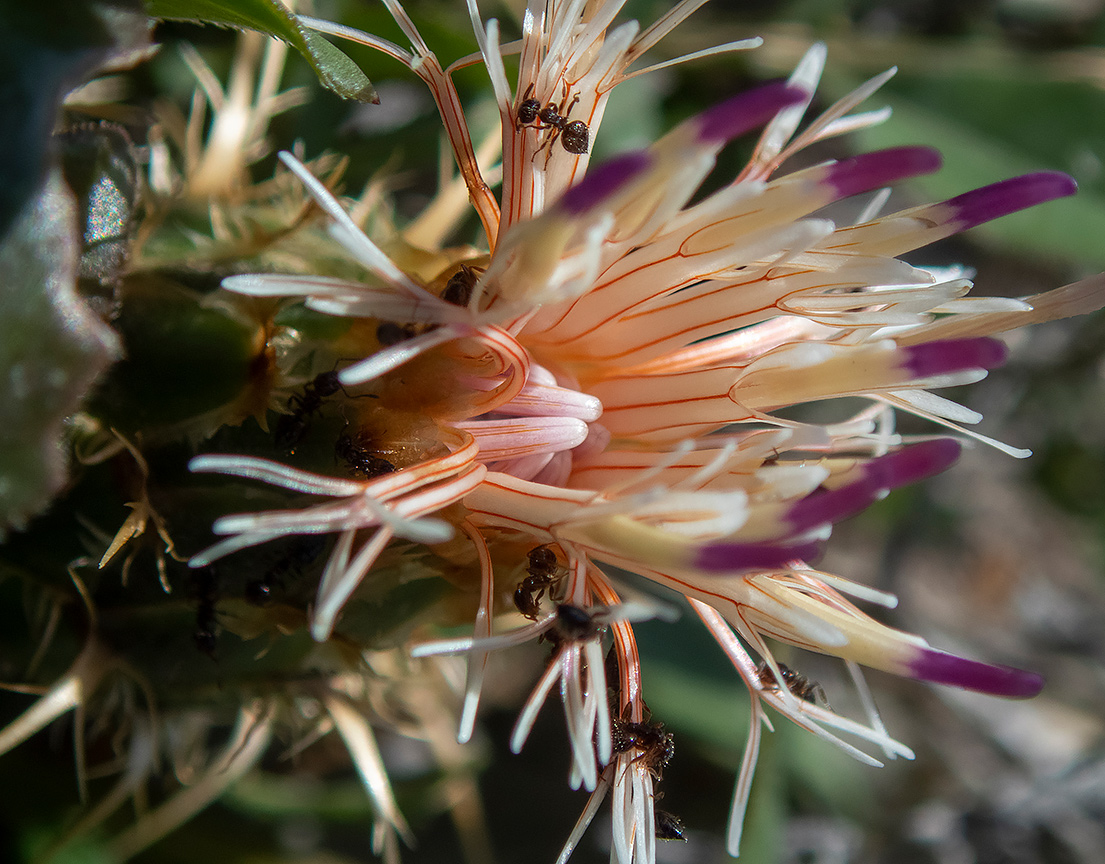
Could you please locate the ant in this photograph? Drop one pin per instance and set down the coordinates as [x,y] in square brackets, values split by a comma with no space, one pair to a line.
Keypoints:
[574,624]
[205,582]
[530,109]
[390,333]
[458,290]
[306,548]
[669,826]
[354,450]
[575,136]
[544,572]
[291,427]
[796,683]
[657,746]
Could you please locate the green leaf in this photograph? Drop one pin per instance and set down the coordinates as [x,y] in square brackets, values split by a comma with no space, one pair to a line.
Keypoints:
[185,355]
[334,68]
[51,350]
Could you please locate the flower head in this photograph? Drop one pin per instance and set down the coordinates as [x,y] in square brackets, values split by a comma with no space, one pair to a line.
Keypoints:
[607,381]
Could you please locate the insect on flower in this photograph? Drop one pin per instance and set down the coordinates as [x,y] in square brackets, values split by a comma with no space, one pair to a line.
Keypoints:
[654,747]
[356,451]
[544,572]
[795,682]
[574,135]
[459,288]
[669,826]
[291,427]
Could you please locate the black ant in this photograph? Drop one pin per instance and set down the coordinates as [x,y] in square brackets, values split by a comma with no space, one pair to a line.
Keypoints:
[291,427]
[458,290]
[669,826]
[390,333]
[302,552]
[574,624]
[796,683]
[656,746]
[574,136]
[354,449]
[544,572]
[529,110]
[205,582]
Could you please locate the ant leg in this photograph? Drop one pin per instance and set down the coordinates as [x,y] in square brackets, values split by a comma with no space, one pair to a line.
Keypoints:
[341,386]
[554,133]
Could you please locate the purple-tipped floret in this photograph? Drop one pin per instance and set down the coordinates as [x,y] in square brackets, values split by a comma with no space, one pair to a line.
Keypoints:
[1009,196]
[603,181]
[832,505]
[900,468]
[914,463]
[882,168]
[727,557]
[747,111]
[954,355]
[941,668]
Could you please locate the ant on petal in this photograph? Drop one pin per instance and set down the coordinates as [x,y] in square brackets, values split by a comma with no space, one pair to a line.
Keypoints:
[656,747]
[796,683]
[575,136]
[544,572]
[357,452]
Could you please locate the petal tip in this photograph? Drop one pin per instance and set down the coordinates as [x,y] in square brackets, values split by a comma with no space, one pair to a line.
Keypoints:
[747,111]
[879,475]
[954,355]
[726,557]
[914,463]
[870,171]
[942,668]
[603,181]
[1009,196]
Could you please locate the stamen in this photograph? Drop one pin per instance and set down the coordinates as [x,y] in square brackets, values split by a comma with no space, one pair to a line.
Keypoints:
[728,557]
[738,45]
[273,472]
[351,236]
[941,358]
[395,356]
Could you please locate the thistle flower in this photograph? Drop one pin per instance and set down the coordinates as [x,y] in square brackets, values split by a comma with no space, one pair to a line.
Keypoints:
[605,383]
[611,373]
